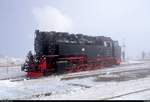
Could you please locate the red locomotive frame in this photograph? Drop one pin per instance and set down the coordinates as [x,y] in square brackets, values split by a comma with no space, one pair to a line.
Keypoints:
[80,64]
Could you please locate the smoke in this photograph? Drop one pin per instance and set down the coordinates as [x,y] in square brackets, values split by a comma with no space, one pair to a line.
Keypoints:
[52,19]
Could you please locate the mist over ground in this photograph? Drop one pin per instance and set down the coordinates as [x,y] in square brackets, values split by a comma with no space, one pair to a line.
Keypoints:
[123,20]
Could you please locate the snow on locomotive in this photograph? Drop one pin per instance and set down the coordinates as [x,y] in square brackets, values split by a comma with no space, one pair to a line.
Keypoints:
[61,52]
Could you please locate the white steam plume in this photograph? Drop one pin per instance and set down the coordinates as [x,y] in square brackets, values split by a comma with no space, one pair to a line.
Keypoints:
[52,19]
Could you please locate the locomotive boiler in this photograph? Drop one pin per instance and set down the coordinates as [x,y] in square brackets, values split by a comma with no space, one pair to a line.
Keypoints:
[61,52]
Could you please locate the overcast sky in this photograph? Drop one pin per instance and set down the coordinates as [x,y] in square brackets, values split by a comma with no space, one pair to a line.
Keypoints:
[119,19]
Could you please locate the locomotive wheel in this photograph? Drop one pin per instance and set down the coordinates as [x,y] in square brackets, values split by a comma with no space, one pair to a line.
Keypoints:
[102,64]
[84,68]
[45,73]
[89,67]
[70,70]
[78,69]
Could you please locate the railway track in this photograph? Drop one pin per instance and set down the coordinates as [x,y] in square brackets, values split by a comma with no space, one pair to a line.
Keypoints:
[2,66]
[82,74]
[96,74]
[18,78]
[126,94]
[102,72]
[116,70]
[7,78]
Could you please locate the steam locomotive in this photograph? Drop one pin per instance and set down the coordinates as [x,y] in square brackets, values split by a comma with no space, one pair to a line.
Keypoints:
[61,52]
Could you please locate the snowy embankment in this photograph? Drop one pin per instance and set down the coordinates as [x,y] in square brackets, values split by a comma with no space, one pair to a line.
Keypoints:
[53,87]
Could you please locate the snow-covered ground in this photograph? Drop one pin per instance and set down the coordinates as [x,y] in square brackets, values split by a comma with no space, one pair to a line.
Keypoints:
[7,72]
[93,87]
[131,62]
[10,67]
[11,72]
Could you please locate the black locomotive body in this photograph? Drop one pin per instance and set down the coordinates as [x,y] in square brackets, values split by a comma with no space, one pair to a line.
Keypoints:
[61,52]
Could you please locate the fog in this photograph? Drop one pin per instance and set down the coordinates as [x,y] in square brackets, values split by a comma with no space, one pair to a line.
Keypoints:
[123,20]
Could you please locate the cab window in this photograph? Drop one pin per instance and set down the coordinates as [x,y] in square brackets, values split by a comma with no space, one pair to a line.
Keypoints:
[107,44]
